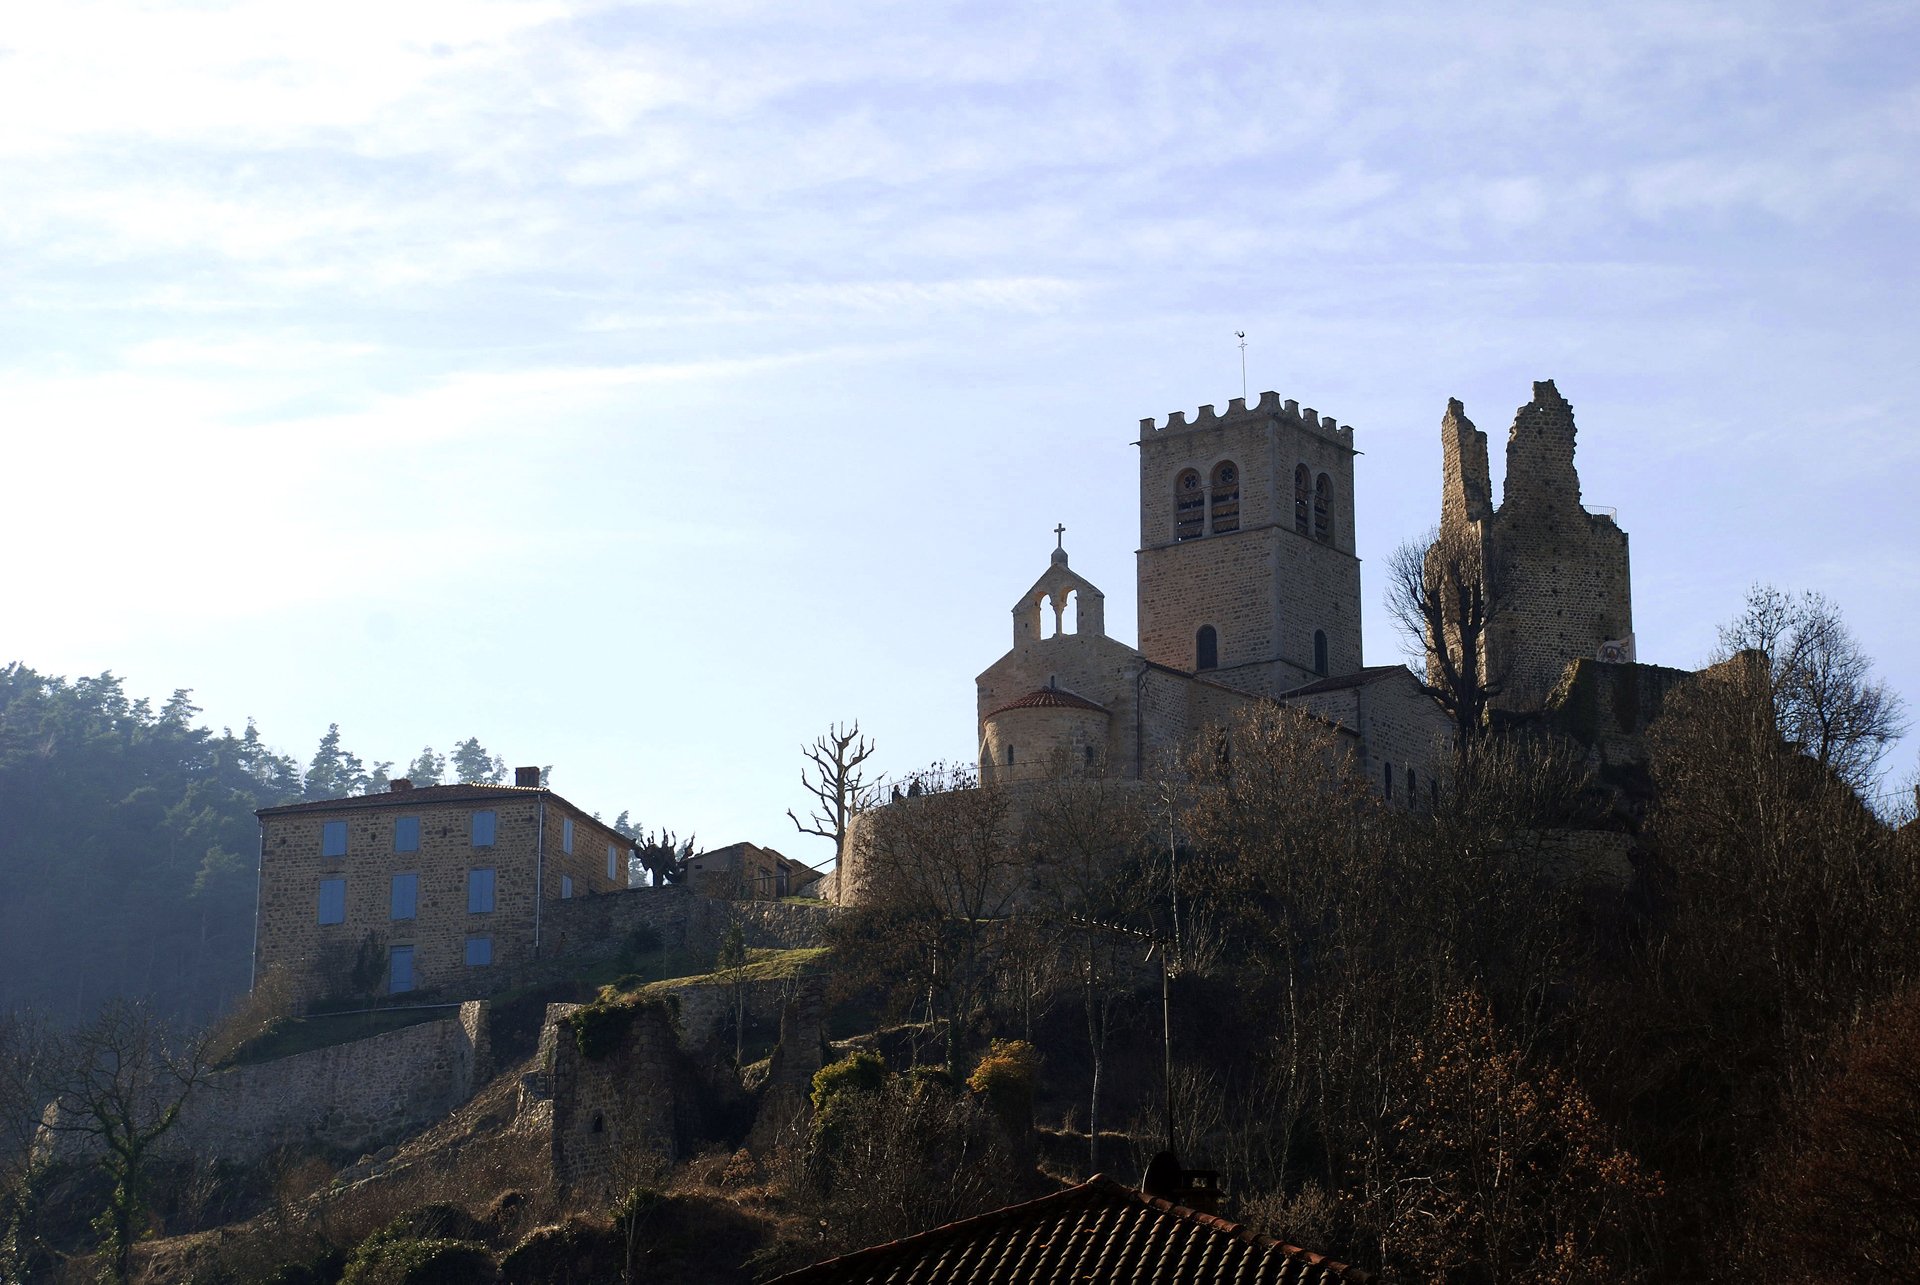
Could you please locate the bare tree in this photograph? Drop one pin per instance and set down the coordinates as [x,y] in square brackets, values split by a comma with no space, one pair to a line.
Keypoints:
[1826,700]
[836,782]
[119,1085]
[26,1048]
[1087,842]
[940,874]
[1440,597]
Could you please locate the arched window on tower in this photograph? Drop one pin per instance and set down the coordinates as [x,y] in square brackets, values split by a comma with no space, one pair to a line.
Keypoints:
[1206,648]
[1302,491]
[1389,782]
[1320,652]
[1189,506]
[1323,507]
[1225,509]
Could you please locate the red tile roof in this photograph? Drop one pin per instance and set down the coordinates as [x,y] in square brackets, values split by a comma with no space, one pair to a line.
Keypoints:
[1097,1231]
[1358,678]
[419,796]
[1048,698]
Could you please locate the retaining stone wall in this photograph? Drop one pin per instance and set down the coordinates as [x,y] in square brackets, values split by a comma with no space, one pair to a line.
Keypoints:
[355,1096]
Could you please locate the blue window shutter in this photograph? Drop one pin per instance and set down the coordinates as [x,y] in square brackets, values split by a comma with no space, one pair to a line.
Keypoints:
[479,950]
[566,835]
[333,901]
[479,891]
[406,834]
[400,969]
[613,856]
[406,896]
[484,824]
[566,886]
[333,839]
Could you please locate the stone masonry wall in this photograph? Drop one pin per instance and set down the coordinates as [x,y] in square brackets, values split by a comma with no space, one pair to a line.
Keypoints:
[1561,582]
[1265,587]
[684,919]
[609,1109]
[350,1097]
[317,957]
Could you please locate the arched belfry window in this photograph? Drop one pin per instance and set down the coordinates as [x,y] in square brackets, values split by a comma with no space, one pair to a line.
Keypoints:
[1389,780]
[1323,507]
[1320,652]
[1225,509]
[1189,506]
[1302,497]
[1206,648]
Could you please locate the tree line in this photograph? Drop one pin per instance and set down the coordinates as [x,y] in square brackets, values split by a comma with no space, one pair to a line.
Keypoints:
[128,842]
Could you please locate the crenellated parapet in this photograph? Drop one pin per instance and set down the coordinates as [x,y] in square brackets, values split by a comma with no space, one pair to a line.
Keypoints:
[1270,406]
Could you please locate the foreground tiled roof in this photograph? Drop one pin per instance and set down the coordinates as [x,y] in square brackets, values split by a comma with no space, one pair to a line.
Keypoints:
[419,796]
[1098,1231]
[1049,698]
[1358,678]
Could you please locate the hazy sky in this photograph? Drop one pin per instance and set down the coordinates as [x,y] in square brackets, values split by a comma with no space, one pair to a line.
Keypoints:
[641,387]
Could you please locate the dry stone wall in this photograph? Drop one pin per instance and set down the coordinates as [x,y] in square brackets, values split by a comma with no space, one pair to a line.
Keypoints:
[616,1109]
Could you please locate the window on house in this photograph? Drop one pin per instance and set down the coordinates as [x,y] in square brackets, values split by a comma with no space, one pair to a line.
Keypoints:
[1320,652]
[406,834]
[406,896]
[566,835]
[1206,648]
[1323,507]
[1089,752]
[484,826]
[399,969]
[1413,789]
[479,891]
[1389,780]
[333,901]
[1225,508]
[1302,497]
[1189,506]
[1009,754]
[566,887]
[479,951]
[613,863]
[333,839]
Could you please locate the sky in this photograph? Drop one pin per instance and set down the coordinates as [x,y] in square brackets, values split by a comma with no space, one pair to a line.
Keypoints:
[640,388]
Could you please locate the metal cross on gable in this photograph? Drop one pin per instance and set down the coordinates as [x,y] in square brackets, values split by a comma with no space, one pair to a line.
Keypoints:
[1060,536]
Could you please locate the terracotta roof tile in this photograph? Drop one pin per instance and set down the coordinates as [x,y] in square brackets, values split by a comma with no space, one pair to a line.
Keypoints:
[1097,1231]
[1358,678]
[419,796]
[1048,698]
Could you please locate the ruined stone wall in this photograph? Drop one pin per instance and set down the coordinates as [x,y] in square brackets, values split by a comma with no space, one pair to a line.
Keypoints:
[1609,707]
[1561,584]
[349,1097]
[610,1111]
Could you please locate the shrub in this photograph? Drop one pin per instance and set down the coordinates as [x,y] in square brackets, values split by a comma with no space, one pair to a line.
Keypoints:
[1006,1077]
[404,1260]
[857,1073]
[599,1027]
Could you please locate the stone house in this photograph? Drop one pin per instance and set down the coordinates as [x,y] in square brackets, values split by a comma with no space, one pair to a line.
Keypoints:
[746,869]
[440,888]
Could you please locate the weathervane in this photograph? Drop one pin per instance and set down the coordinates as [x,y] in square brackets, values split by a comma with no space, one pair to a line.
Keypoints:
[1241,335]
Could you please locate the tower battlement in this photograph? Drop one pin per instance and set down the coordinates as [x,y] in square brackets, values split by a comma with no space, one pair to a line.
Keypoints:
[1268,407]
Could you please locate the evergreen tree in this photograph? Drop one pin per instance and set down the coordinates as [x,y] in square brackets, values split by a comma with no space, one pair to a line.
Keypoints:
[428,768]
[472,765]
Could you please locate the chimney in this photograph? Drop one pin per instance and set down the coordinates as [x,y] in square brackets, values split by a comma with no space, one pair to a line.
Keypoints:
[527,778]
[399,785]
